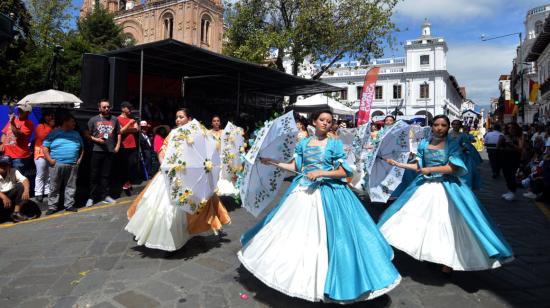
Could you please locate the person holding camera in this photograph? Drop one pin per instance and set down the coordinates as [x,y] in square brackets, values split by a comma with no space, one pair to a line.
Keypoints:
[105,135]
[129,159]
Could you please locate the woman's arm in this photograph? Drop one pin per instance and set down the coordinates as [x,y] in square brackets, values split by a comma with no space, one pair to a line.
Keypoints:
[332,174]
[413,166]
[447,169]
[291,166]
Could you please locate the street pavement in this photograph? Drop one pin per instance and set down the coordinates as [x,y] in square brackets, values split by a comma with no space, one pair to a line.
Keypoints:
[86,259]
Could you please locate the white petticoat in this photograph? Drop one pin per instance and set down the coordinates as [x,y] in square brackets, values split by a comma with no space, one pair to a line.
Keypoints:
[226,188]
[290,253]
[430,228]
[157,223]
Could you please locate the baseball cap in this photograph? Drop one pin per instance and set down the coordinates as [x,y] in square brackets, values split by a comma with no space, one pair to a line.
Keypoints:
[25,106]
[143,123]
[5,160]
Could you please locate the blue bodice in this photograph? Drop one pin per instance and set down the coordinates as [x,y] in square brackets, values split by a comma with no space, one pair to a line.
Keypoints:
[309,158]
[435,157]
[313,159]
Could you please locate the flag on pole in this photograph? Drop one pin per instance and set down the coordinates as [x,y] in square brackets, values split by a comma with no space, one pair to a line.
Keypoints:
[367,95]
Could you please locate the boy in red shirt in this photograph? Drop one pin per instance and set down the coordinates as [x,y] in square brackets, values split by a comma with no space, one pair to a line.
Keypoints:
[128,150]
[15,139]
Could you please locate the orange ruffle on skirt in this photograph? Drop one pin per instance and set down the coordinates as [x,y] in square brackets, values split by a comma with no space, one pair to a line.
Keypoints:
[212,217]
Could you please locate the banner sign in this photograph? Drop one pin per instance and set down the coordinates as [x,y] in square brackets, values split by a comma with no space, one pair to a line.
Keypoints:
[367,95]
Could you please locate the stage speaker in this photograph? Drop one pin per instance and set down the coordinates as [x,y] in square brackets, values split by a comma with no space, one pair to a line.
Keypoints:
[118,82]
[94,84]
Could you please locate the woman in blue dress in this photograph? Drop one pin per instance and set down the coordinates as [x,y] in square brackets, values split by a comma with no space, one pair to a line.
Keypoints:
[438,218]
[319,243]
[470,156]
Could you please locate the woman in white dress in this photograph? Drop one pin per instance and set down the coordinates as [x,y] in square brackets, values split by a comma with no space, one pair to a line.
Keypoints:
[158,224]
[438,218]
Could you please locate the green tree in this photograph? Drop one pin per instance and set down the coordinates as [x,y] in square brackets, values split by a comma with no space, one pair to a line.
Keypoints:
[323,30]
[12,56]
[50,20]
[100,31]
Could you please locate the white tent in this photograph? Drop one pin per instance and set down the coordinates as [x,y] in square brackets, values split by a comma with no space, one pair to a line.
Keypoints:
[320,101]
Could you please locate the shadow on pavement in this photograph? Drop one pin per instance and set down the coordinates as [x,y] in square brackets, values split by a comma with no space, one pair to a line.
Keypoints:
[273,298]
[193,248]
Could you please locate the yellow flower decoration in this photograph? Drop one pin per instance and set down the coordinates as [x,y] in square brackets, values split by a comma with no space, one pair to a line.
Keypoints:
[190,140]
[231,155]
[208,165]
[180,167]
[203,203]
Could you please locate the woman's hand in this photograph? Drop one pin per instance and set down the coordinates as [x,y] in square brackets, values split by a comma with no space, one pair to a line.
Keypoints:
[268,161]
[313,175]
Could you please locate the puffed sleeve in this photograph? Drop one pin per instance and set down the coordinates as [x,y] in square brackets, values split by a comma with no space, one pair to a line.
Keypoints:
[299,154]
[455,157]
[339,157]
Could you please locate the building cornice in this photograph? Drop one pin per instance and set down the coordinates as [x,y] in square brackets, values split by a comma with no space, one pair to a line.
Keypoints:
[404,75]
[140,9]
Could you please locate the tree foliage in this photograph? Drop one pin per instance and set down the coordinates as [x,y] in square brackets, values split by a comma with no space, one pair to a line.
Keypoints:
[100,31]
[26,61]
[322,30]
[50,20]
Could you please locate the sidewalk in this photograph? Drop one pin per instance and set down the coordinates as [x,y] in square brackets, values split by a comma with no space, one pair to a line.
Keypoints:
[86,259]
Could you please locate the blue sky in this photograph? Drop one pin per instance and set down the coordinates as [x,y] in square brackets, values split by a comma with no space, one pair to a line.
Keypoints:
[476,64]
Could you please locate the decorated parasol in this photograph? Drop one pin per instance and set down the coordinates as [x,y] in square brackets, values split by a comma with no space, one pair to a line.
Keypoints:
[382,177]
[232,145]
[261,182]
[360,141]
[191,166]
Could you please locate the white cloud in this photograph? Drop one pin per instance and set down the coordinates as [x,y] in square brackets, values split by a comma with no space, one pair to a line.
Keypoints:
[446,10]
[477,66]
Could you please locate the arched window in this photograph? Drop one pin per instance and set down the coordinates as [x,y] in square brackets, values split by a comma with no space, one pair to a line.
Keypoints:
[168,22]
[206,21]
[129,40]
[538,27]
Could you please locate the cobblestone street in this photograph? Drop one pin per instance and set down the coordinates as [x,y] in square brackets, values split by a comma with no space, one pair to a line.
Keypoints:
[87,260]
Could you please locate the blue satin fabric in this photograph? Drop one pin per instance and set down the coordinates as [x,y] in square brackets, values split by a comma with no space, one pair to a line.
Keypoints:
[471,158]
[359,258]
[461,195]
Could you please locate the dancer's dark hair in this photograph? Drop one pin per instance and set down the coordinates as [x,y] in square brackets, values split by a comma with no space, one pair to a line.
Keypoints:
[315,115]
[186,111]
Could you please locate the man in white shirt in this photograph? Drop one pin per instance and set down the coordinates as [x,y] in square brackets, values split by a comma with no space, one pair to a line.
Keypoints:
[14,189]
[491,140]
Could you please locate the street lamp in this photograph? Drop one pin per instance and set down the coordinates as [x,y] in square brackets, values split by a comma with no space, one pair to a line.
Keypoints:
[520,62]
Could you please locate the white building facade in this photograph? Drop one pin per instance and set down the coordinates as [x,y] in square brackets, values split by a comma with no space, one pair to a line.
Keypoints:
[417,84]
[534,23]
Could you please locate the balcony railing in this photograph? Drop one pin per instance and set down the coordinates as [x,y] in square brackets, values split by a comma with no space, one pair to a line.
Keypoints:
[545,88]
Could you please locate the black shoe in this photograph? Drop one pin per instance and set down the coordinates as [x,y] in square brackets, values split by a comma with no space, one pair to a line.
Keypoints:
[71,209]
[17,217]
[39,198]
[127,191]
[49,212]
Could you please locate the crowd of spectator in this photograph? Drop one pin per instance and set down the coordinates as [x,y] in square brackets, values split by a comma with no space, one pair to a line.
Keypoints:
[522,155]
[120,152]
